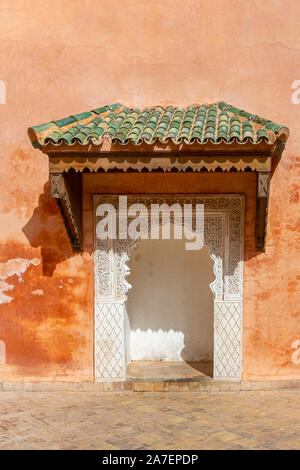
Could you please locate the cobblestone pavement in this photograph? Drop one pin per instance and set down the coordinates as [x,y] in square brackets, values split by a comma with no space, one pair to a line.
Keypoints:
[76,420]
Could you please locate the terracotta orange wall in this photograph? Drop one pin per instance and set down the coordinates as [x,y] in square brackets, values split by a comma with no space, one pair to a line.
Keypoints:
[61,58]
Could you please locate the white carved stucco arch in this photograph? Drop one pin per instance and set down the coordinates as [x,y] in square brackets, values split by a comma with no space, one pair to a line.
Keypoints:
[217,269]
[123,250]
[223,234]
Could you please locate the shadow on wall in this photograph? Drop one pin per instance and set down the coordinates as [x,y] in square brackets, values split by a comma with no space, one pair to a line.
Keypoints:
[170,307]
[46,230]
[47,334]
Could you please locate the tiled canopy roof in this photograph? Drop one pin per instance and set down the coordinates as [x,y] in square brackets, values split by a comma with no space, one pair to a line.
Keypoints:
[215,123]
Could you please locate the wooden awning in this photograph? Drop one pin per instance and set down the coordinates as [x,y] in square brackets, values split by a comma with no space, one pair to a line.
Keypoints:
[215,137]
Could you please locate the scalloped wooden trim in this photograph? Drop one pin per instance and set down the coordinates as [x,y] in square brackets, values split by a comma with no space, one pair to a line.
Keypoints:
[165,163]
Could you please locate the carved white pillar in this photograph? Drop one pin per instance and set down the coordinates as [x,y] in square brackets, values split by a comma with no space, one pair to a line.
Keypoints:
[111,323]
[109,341]
[227,340]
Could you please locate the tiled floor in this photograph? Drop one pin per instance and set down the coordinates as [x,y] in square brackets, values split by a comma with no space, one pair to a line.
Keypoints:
[77,420]
[156,370]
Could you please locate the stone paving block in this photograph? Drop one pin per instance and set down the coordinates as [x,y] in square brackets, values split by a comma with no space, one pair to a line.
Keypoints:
[93,387]
[235,386]
[128,386]
[76,386]
[148,386]
[12,386]
[246,386]
[158,386]
[265,385]
[194,386]
[44,387]
[118,386]
[53,386]
[171,386]
[29,386]
[295,383]
[225,386]
[184,386]
[284,384]
[215,386]
[108,386]
[138,386]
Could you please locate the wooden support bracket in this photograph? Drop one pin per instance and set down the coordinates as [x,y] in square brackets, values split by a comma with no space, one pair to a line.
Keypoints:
[262,202]
[66,188]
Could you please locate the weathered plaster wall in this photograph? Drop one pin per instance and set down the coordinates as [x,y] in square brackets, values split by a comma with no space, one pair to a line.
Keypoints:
[63,57]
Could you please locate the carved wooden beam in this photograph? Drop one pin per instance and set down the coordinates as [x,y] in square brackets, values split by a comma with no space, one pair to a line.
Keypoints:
[262,201]
[66,188]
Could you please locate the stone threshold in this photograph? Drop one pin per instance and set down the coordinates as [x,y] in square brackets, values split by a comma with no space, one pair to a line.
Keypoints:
[207,386]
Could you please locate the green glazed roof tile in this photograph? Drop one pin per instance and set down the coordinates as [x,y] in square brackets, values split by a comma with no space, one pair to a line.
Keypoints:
[215,123]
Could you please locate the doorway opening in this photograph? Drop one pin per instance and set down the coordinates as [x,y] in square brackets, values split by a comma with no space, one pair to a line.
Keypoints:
[170,311]
[175,328]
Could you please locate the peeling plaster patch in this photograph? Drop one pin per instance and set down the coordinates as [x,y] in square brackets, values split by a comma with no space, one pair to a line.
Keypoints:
[38,292]
[16,267]
[2,352]
[5,299]
[13,267]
